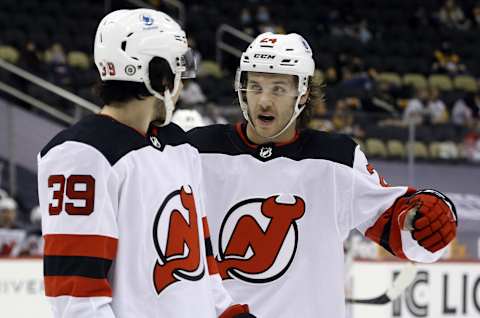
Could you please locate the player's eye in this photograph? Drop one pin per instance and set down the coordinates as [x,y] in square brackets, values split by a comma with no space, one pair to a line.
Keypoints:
[279,90]
[255,88]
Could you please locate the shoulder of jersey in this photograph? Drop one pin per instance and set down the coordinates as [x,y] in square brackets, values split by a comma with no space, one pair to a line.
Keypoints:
[171,135]
[312,144]
[214,139]
[335,147]
[111,138]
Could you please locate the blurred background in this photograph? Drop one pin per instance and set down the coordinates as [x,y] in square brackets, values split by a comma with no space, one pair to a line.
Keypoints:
[402,77]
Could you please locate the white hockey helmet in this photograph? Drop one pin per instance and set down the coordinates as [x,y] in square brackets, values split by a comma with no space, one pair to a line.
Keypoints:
[7,203]
[188,119]
[278,54]
[127,40]
[35,215]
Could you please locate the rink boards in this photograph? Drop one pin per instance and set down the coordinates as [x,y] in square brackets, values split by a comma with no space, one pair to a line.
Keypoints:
[446,289]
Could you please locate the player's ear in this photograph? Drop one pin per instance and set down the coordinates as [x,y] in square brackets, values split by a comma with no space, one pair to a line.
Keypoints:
[304,99]
[161,76]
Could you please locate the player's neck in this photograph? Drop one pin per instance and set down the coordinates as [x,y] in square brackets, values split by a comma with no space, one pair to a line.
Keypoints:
[285,137]
[135,114]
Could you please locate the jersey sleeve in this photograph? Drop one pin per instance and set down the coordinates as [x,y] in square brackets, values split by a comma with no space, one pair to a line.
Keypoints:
[78,195]
[371,209]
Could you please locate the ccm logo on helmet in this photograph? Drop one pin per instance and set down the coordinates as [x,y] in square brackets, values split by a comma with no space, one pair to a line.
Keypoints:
[264,56]
[176,239]
[258,239]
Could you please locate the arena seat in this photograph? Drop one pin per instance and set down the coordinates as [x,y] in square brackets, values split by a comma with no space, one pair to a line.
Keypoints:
[465,82]
[9,54]
[440,81]
[376,148]
[396,149]
[78,60]
[416,80]
[390,77]
[420,150]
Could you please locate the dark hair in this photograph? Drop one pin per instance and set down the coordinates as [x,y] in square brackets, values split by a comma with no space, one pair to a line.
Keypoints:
[123,91]
[316,95]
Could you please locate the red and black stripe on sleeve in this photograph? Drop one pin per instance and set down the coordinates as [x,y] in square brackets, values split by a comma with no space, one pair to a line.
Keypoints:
[386,230]
[78,265]
[211,262]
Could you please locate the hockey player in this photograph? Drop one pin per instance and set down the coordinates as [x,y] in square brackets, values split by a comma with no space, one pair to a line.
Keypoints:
[123,222]
[285,199]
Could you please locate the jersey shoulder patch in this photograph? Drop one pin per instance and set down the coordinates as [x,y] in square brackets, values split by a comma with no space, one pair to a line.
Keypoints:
[110,137]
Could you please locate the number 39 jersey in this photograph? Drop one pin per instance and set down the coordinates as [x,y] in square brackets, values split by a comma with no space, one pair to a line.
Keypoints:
[122,218]
[279,215]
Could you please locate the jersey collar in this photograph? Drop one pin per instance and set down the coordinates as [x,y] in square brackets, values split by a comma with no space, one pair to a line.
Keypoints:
[241,130]
[267,151]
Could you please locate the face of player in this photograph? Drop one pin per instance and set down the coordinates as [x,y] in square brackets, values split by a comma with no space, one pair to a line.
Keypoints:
[271,101]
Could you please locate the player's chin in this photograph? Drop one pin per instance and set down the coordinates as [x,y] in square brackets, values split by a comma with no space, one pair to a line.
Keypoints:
[267,132]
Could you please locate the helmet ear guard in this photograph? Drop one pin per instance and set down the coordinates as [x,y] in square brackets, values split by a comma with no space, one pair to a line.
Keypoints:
[126,42]
[277,54]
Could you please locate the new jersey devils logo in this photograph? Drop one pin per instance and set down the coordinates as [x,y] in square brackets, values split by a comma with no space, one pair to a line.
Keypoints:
[258,238]
[176,239]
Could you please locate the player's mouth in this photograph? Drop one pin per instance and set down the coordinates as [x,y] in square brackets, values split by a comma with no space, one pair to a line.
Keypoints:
[266,119]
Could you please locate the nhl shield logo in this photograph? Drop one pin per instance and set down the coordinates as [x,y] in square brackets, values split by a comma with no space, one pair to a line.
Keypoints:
[155,142]
[265,152]
[258,238]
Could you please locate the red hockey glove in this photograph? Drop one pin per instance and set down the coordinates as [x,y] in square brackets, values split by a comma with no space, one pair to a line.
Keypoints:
[431,218]
[237,311]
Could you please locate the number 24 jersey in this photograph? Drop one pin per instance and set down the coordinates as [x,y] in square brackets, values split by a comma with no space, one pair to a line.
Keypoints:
[279,214]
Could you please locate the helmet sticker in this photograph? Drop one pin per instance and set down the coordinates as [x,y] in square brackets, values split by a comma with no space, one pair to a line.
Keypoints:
[146,19]
[266,40]
[108,68]
[130,70]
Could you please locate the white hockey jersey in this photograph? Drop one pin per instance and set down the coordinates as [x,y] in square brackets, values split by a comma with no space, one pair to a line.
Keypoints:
[279,214]
[124,228]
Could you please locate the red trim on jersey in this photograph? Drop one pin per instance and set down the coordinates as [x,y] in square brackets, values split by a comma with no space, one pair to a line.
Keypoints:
[239,128]
[376,233]
[114,119]
[80,245]
[291,141]
[77,286]
[393,238]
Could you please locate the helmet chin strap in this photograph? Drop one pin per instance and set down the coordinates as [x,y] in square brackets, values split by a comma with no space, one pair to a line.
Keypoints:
[169,107]
[166,97]
[295,114]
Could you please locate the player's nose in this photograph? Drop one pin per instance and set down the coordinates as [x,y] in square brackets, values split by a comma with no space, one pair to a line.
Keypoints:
[265,100]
